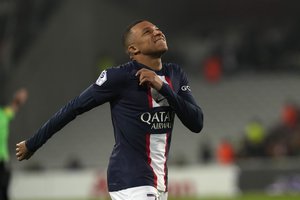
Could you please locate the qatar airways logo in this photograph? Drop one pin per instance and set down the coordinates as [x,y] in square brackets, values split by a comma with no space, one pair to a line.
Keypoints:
[158,120]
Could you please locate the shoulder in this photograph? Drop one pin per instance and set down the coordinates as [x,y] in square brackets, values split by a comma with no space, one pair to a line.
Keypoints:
[116,74]
[125,69]
[177,72]
[174,68]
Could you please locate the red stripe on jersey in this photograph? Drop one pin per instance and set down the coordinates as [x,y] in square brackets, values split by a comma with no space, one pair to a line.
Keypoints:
[149,98]
[169,82]
[149,158]
[166,156]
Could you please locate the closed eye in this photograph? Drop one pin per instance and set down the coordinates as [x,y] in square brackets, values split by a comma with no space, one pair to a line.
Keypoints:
[150,30]
[147,31]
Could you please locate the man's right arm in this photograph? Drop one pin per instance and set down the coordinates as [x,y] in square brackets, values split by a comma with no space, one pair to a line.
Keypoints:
[84,102]
[104,90]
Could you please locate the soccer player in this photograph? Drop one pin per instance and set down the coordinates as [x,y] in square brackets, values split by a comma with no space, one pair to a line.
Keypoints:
[144,95]
[6,115]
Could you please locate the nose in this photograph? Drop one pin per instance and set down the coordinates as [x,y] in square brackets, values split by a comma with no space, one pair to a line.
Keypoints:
[157,32]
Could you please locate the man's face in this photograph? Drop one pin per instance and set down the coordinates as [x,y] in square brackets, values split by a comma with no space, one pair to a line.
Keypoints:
[148,39]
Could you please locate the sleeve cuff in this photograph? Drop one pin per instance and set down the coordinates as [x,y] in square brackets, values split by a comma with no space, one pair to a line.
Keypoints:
[165,90]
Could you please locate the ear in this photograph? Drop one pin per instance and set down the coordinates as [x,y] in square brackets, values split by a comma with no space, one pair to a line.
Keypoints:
[132,50]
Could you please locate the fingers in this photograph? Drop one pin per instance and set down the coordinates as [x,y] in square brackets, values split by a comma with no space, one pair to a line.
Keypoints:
[21,151]
[144,72]
[149,78]
[141,74]
[145,80]
[146,76]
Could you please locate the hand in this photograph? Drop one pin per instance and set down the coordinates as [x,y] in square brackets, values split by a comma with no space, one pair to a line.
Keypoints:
[149,78]
[22,152]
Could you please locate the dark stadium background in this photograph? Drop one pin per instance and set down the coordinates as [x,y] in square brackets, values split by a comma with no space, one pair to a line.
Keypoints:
[242,57]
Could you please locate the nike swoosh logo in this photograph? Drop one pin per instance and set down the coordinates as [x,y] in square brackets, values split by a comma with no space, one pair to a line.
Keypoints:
[159,100]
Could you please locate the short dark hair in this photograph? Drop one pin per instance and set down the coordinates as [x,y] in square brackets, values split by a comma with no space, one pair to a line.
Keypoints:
[127,32]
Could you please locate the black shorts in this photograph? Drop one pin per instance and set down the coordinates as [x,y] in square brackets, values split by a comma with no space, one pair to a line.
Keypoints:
[4,179]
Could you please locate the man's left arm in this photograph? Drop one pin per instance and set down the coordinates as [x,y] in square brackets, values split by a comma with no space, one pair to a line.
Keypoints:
[185,106]
[183,103]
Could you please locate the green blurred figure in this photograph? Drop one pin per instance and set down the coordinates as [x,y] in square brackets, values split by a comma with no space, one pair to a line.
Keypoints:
[253,141]
[255,132]
[7,113]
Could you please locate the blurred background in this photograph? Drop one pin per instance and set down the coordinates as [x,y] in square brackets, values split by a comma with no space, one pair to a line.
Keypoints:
[243,63]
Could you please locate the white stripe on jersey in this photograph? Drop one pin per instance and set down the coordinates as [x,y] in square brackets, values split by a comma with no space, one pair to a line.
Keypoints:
[158,99]
[157,147]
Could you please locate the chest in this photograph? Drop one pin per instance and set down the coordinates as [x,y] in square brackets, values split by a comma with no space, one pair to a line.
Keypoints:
[146,98]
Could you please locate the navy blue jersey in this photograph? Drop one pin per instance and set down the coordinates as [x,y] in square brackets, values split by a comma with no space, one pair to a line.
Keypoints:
[142,119]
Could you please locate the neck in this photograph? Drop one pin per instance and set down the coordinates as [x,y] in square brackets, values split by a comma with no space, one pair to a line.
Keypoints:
[153,63]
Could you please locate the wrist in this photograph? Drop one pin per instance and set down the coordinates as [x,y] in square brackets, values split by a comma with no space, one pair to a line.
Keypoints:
[159,84]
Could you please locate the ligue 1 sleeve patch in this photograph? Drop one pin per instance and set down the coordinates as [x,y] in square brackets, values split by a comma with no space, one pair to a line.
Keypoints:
[102,78]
